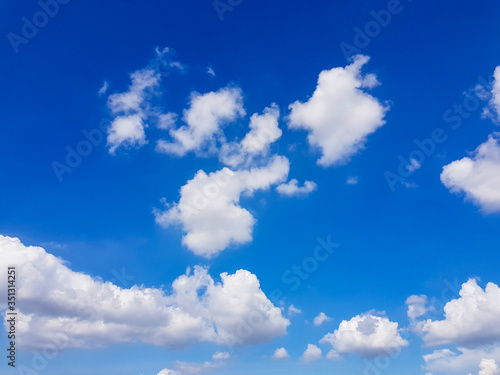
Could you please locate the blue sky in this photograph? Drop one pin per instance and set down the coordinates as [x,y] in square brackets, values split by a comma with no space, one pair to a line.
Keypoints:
[427,71]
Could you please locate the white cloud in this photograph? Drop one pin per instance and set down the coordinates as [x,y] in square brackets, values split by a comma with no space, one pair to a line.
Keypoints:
[416,306]
[352,180]
[264,130]
[333,355]
[462,361]
[489,367]
[211,71]
[292,310]
[492,111]
[312,353]
[413,166]
[132,108]
[104,88]
[321,318]
[187,368]
[367,336]
[166,120]
[339,115]
[280,353]
[205,117]
[126,131]
[209,211]
[471,320]
[292,188]
[478,176]
[73,310]
[221,356]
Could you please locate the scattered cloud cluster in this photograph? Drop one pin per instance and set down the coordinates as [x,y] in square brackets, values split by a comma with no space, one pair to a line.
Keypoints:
[132,108]
[446,361]
[477,176]
[74,310]
[366,335]
[340,114]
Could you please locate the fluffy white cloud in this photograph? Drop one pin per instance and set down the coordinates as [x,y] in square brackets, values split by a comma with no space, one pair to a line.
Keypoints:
[333,355]
[321,318]
[493,109]
[280,353]
[292,188]
[340,114]
[264,130]
[417,306]
[205,117]
[471,320]
[489,367]
[126,131]
[73,310]
[132,108]
[462,361]
[478,176]
[221,355]
[312,353]
[366,335]
[209,210]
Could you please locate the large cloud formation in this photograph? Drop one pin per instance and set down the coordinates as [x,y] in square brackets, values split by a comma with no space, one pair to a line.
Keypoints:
[469,321]
[209,211]
[339,115]
[73,310]
[477,176]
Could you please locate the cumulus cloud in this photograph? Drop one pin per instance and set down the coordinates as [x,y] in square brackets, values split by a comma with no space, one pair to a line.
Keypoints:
[492,111]
[74,310]
[477,176]
[292,188]
[462,360]
[367,336]
[312,354]
[204,118]
[470,321]
[333,355]
[417,306]
[321,318]
[489,367]
[280,353]
[340,114]
[264,130]
[209,211]
[132,108]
